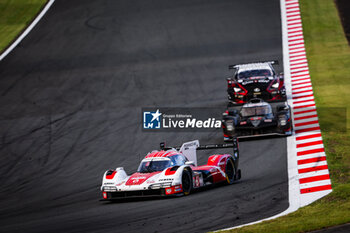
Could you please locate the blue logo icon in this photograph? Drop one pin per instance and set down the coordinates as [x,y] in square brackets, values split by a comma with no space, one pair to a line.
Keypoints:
[151,120]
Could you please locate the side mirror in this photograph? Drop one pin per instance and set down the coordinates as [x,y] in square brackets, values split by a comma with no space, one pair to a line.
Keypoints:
[281,76]
[191,163]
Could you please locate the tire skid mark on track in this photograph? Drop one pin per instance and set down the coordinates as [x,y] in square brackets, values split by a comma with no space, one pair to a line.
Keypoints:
[115,75]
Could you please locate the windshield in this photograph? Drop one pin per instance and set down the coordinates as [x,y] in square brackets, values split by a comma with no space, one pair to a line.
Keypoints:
[254,73]
[153,166]
[256,111]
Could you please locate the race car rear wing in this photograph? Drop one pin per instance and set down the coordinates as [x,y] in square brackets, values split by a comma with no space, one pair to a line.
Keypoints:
[235,66]
[189,149]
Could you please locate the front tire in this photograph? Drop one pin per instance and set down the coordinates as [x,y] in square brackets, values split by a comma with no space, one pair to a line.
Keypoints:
[186,182]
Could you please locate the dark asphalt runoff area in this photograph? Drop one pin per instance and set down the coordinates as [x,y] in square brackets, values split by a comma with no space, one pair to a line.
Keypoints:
[70,107]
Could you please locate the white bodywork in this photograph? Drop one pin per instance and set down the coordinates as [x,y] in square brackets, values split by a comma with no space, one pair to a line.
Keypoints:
[155,181]
[189,149]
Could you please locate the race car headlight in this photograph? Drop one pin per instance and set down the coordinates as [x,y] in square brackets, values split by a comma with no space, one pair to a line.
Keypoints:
[109,188]
[166,185]
[237,89]
[230,127]
[155,186]
[275,85]
[283,122]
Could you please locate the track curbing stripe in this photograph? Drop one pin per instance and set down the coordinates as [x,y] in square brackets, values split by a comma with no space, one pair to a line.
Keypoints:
[307,168]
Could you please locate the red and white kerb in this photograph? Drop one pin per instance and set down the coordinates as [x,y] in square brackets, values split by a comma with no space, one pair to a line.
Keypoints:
[311,158]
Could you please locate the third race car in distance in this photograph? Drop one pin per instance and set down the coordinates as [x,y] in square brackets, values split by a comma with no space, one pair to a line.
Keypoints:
[255,80]
[172,171]
[257,118]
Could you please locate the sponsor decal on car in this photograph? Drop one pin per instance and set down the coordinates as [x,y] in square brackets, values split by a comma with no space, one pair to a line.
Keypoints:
[169,190]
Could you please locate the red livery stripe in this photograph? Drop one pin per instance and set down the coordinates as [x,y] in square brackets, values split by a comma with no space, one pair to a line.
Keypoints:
[309,144]
[313,179]
[313,160]
[111,176]
[307,152]
[316,189]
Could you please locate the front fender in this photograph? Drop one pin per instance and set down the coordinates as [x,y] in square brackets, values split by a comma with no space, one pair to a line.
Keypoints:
[113,177]
[175,174]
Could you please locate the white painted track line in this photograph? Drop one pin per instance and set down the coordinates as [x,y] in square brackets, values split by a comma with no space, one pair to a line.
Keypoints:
[27,30]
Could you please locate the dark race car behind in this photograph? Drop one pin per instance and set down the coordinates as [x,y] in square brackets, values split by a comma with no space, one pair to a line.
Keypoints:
[255,80]
[257,118]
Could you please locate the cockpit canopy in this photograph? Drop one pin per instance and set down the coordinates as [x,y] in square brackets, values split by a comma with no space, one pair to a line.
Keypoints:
[246,74]
[256,110]
[155,164]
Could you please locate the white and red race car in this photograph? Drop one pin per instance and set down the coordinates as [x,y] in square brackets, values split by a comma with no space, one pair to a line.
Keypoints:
[173,171]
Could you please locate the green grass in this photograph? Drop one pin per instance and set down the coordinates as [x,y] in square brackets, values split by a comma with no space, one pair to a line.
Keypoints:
[15,15]
[329,62]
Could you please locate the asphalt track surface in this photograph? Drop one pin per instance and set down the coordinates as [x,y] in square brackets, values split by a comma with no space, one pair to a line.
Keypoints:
[70,108]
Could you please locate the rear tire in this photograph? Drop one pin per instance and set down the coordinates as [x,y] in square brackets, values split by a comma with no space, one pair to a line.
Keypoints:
[239,174]
[230,171]
[186,182]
